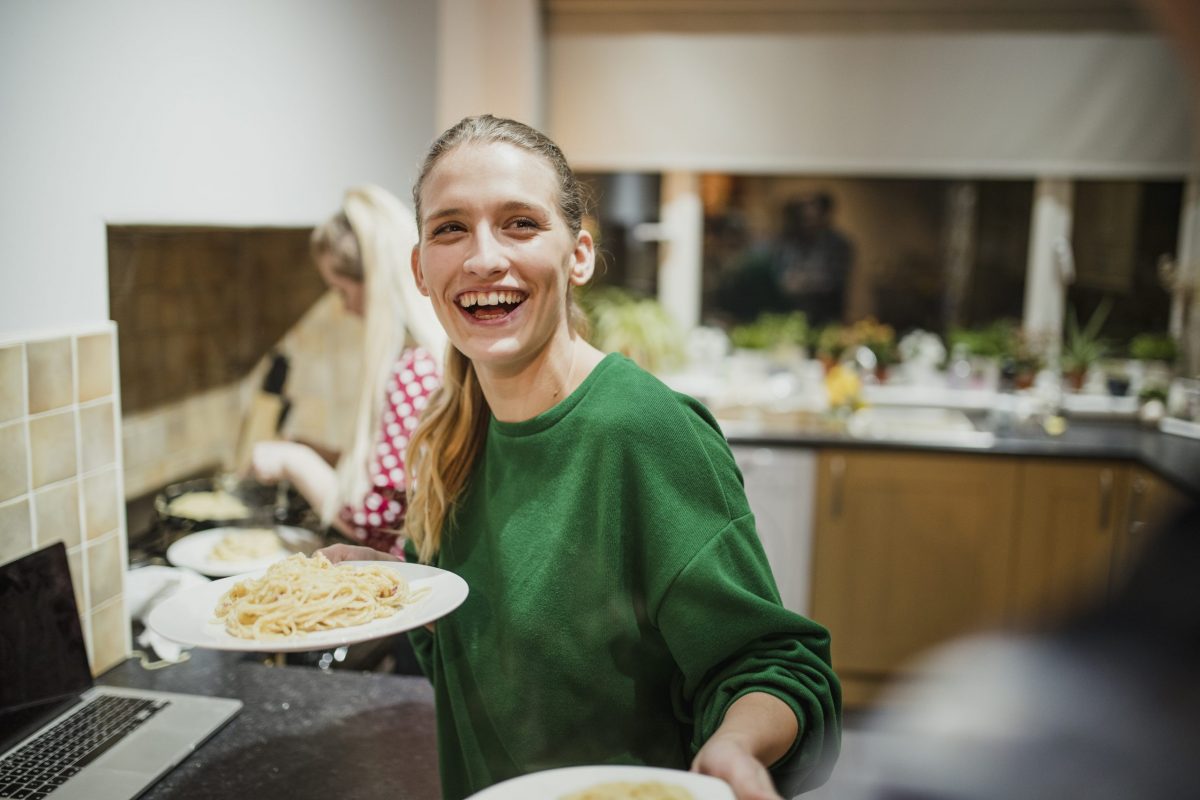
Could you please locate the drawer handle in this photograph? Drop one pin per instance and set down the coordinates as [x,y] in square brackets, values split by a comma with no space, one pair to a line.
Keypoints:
[837,471]
[1106,480]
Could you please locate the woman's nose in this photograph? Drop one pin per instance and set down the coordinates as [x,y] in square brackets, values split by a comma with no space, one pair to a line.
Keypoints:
[487,256]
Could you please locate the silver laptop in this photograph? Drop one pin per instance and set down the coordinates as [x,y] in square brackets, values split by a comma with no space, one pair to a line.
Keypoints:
[61,736]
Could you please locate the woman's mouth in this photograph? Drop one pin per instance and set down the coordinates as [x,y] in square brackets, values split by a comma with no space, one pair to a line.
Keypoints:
[490,305]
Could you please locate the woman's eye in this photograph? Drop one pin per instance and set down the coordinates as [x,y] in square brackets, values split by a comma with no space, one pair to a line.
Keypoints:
[448,227]
[526,222]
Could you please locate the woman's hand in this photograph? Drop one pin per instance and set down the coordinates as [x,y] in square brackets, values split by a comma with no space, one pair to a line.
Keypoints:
[758,730]
[354,552]
[272,462]
[726,758]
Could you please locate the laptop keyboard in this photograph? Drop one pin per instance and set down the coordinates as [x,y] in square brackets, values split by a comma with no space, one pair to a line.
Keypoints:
[47,762]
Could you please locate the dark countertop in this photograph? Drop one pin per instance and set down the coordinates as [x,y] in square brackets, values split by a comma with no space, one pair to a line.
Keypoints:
[303,732]
[1176,459]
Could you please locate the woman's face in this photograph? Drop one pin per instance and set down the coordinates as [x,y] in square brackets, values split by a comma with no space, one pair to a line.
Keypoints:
[349,289]
[496,256]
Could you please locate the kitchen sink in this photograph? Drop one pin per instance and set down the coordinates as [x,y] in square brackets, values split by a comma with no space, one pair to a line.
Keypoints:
[943,426]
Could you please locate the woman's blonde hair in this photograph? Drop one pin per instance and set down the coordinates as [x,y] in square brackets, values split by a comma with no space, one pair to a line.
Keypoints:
[371,240]
[443,449]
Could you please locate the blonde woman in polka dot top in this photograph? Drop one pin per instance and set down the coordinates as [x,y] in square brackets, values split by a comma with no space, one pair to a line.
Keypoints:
[363,253]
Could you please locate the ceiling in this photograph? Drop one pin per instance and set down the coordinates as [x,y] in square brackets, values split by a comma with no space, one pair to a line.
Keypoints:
[798,16]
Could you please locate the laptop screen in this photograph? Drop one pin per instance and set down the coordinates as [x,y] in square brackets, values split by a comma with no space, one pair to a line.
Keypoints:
[43,659]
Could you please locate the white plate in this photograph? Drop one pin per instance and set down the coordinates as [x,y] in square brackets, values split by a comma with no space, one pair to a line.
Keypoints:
[194,551]
[555,783]
[187,617]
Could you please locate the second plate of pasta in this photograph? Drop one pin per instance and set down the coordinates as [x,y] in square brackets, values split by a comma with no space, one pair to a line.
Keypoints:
[301,604]
[609,782]
[221,552]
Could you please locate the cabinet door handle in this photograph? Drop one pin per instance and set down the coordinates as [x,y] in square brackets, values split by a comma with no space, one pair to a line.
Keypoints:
[837,471]
[1106,480]
[1135,511]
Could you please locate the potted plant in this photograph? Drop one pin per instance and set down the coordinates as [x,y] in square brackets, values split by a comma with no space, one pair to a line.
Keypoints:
[1083,347]
[880,339]
[782,335]
[1153,347]
[830,343]
[637,327]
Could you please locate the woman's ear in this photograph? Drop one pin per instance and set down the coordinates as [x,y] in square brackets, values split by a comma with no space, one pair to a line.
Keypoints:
[583,259]
[418,275]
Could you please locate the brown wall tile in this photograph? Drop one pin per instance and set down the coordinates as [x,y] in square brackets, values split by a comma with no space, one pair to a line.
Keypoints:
[16,530]
[108,636]
[106,570]
[57,513]
[12,383]
[95,366]
[14,461]
[100,498]
[51,377]
[97,434]
[52,447]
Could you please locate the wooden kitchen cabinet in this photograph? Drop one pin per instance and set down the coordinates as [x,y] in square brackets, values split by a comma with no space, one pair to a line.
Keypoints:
[1151,500]
[910,550]
[1066,540]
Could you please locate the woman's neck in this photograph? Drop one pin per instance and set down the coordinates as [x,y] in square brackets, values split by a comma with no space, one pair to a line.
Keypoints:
[540,385]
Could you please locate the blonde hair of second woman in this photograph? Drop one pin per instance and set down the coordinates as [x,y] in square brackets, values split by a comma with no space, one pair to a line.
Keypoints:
[444,447]
[372,240]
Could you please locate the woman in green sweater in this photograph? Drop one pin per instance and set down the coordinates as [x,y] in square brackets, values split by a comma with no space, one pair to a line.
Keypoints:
[621,609]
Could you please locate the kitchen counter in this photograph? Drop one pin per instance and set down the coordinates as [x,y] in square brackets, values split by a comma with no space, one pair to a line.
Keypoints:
[1174,458]
[302,732]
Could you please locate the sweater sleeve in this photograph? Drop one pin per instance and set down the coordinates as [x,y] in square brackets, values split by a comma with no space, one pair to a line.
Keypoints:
[729,634]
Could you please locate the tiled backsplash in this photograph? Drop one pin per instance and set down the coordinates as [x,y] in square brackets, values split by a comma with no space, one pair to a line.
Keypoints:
[61,471]
[198,307]
[199,433]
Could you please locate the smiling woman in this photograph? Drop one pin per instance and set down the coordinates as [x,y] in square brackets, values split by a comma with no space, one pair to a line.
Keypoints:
[621,607]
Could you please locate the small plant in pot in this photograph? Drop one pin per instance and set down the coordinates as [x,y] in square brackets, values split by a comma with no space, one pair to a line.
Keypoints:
[1153,347]
[782,335]
[1083,347]
[830,343]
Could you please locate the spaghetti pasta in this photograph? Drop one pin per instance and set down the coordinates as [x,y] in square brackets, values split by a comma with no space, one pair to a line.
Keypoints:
[624,790]
[217,505]
[247,545]
[301,595]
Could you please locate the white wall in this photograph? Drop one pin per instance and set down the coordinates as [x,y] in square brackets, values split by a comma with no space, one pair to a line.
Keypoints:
[928,104]
[258,112]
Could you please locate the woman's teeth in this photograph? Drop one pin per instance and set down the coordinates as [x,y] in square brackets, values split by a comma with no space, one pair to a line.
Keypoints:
[489,305]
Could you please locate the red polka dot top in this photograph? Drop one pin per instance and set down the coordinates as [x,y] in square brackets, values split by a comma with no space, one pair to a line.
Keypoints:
[382,510]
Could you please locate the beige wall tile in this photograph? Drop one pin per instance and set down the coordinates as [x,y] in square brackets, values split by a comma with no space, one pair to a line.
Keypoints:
[51,378]
[16,530]
[106,570]
[100,501]
[14,461]
[75,564]
[12,383]
[56,510]
[97,435]
[95,366]
[52,447]
[108,636]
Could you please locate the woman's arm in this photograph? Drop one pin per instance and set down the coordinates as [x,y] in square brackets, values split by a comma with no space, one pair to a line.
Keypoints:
[303,467]
[758,730]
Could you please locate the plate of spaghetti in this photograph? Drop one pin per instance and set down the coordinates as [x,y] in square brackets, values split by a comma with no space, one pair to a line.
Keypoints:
[222,552]
[303,603]
[609,782]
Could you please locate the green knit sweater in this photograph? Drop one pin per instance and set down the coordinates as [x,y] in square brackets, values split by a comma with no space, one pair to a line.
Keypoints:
[619,597]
